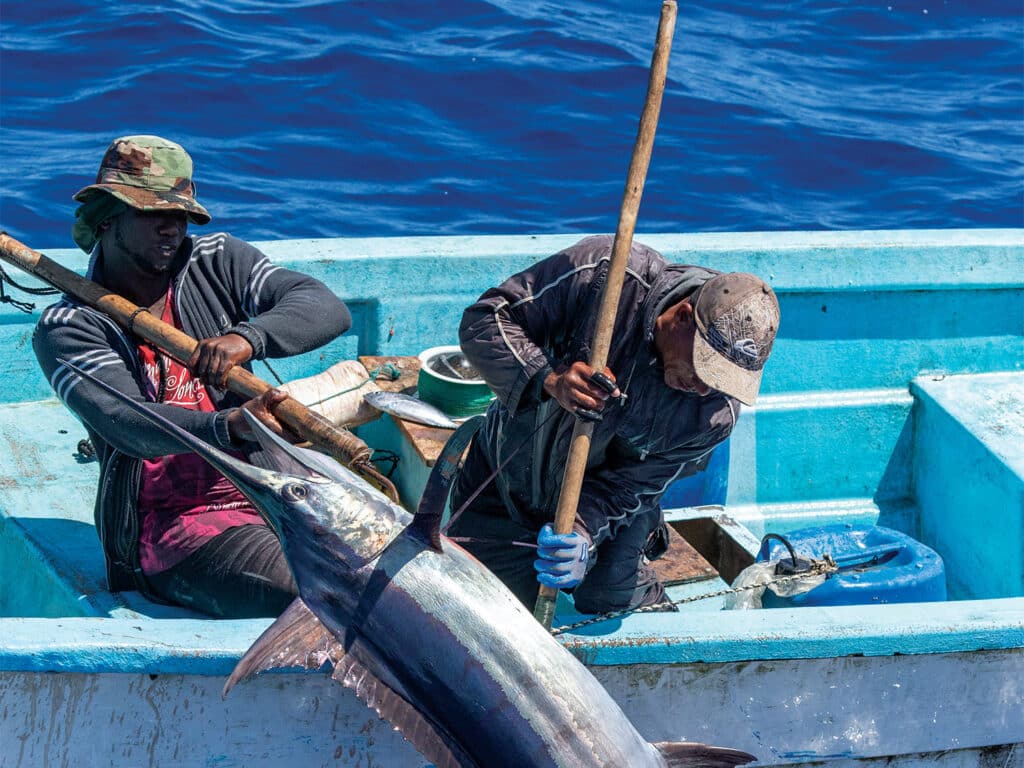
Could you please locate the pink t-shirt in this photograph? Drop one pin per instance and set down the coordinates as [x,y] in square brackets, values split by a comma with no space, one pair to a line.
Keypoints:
[183,501]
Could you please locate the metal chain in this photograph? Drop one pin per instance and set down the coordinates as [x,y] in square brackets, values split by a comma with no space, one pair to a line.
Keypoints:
[825,566]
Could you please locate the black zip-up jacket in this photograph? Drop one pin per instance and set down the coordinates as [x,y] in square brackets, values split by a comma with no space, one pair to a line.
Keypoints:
[223,286]
[545,316]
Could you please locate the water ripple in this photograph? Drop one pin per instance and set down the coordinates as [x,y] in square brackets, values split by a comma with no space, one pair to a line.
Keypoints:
[322,118]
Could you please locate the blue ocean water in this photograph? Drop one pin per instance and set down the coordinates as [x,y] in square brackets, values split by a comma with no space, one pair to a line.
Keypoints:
[311,118]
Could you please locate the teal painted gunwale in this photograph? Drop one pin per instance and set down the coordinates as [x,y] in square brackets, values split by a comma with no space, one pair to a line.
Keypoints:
[211,647]
[413,286]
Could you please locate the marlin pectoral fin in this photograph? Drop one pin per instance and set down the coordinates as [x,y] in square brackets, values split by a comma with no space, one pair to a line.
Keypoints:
[687,754]
[299,639]
[435,495]
[296,639]
[428,737]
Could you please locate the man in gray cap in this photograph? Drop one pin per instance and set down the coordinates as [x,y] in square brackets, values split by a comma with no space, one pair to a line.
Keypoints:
[689,346]
[171,526]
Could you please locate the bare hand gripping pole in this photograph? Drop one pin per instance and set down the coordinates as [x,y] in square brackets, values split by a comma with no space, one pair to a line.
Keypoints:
[579,450]
[311,426]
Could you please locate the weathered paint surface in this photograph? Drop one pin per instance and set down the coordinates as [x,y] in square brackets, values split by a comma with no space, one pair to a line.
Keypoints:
[782,711]
[184,646]
[153,721]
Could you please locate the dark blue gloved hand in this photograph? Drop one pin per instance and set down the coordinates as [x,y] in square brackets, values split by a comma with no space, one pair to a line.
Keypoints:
[561,558]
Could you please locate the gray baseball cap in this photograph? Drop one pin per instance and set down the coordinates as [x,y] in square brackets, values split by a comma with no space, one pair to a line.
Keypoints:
[737,317]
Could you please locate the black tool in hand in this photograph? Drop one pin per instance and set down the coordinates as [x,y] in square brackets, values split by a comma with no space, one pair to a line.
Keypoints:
[604,383]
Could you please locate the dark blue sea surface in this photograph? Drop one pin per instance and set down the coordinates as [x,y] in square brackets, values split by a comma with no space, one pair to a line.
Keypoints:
[322,119]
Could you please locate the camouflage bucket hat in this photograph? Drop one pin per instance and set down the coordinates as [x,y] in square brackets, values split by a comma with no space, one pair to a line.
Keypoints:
[737,317]
[149,174]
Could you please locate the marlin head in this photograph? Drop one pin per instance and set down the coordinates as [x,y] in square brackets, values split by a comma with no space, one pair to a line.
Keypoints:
[311,502]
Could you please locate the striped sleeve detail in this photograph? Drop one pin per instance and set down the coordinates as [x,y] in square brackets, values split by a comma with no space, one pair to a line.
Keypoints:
[257,279]
[64,380]
[59,313]
[503,306]
[207,245]
[504,336]
[572,273]
[66,312]
[554,283]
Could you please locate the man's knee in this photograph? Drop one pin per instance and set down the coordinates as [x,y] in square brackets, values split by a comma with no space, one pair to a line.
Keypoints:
[601,597]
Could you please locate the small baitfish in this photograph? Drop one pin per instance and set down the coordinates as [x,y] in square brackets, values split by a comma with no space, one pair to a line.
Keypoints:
[420,631]
[409,408]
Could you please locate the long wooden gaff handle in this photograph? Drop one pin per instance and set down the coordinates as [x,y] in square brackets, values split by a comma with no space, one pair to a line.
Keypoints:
[579,449]
[307,424]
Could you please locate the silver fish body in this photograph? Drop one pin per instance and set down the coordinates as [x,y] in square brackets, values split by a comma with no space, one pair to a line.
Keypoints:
[497,681]
[409,408]
[458,641]
[420,630]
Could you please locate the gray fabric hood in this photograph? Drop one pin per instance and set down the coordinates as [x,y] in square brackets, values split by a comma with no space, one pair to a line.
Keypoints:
[673,284]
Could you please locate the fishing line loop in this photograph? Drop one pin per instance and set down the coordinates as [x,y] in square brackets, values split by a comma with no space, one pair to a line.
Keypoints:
[472,497]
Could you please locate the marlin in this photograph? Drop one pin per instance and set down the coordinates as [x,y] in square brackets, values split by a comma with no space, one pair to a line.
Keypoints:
[418,629]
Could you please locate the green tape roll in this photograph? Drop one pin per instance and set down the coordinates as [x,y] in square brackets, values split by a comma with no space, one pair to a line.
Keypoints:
[459,398]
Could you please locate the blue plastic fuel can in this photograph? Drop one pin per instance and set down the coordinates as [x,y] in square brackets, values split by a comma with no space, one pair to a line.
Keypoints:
[876,565]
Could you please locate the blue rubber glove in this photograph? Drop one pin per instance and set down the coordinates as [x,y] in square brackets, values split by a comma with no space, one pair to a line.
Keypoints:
[561,558]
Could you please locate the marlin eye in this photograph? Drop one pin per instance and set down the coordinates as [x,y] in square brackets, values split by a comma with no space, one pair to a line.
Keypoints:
[294,492]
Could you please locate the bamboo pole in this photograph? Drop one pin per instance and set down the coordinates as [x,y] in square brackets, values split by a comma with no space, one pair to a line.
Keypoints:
[579,449]
[307,424]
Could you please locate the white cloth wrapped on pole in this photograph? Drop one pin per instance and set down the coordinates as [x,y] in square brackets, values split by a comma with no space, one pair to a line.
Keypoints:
[337,393]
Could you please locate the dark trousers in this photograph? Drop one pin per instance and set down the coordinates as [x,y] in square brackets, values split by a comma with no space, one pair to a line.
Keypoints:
[620,579]
[239,574]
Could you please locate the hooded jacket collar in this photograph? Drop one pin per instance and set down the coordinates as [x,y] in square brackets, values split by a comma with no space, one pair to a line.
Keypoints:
[672,285]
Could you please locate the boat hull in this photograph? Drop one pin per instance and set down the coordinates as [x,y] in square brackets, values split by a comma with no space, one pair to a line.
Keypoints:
[784,711]
[899,371]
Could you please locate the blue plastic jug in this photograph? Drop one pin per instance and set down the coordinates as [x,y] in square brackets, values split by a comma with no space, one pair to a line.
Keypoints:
[876,565]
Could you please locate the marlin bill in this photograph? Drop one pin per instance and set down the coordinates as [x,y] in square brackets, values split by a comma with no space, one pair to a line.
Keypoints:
[420,631]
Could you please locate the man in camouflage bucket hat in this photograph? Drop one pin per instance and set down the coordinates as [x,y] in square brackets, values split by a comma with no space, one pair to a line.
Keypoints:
[689,346]
[170,526]
[144,172]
